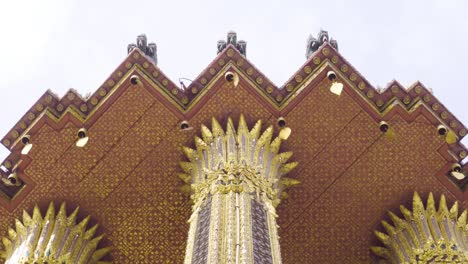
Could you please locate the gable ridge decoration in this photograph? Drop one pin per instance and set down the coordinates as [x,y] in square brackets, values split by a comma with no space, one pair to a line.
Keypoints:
[149,49]
[231,39]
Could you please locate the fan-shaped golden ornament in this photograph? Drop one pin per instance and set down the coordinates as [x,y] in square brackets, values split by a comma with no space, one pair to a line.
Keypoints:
[425,235]
[243,160]
[52,239]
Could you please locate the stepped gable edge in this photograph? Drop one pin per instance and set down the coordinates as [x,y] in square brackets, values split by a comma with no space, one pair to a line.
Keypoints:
[381,104]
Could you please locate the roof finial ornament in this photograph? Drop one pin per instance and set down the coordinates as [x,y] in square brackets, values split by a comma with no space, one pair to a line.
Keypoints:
[314,43]
[240,45]
[149,49]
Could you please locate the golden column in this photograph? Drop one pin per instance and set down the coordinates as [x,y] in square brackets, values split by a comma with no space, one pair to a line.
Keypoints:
[236,183]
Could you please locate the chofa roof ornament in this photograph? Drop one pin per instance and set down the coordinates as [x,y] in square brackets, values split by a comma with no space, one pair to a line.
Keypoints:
[314,44]
[150,49]
[240,45]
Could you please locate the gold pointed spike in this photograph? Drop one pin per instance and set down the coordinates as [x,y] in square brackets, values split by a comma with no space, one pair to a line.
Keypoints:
[382,237]
[380,251]
[185,177]
[206,134]
[265,138]
[100,253]
[200,144]
[230,130]
[286,168]
[20,228]
[7,249]
[71,220]
[50,214]
[389,228]
[88,249]
[57,233]
[90,233]
[451,137]
[216,128]
[454,211]
[431,210]
[275,145]
[288,182]
[75,234]
[398,222]
[189,152]
[255,132]
[6,242]
[406,213]
[4,254]
[12,233]
[62,214]
[186,166]
[83,223]
[27,219]
[443,208]
[418,206]
[285,156]
[96,240]
[37,217]
[402,224]
[242,128]
[461,222]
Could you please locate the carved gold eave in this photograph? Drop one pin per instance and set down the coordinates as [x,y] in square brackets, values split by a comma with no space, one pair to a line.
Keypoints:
[425,234]
[52,238]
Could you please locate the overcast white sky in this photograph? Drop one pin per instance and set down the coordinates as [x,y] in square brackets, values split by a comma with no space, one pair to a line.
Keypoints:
[61,44]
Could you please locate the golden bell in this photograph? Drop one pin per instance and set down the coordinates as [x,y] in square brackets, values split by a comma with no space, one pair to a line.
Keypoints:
[336,88]
[82,138]
[232,77]
[27,145]
[284,133]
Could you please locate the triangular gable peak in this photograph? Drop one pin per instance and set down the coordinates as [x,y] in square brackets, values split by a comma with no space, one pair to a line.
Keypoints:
[380,104]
